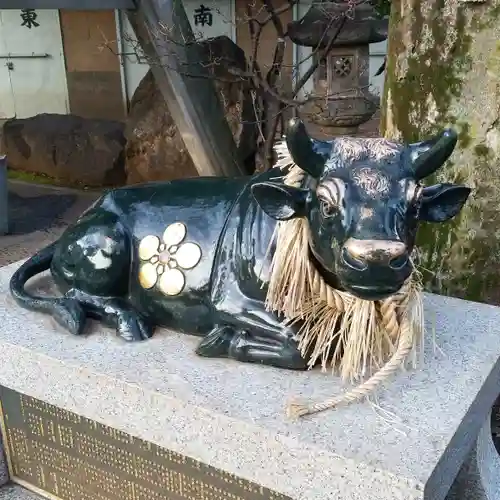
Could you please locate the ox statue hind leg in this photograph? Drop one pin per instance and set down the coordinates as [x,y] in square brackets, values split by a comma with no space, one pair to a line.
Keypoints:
[90,263]
[67,312]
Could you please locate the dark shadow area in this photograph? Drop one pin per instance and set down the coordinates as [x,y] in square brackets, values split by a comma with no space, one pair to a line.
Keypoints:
[37,213]
[495,424]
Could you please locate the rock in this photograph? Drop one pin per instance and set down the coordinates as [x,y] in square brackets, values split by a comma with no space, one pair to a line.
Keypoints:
[70,149]
[155,150]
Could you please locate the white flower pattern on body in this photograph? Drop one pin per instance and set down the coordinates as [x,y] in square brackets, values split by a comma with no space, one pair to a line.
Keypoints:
[164,261]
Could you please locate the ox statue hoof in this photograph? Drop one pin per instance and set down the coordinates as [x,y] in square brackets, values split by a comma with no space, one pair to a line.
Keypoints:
[133,328]
[217,343]
[69,314]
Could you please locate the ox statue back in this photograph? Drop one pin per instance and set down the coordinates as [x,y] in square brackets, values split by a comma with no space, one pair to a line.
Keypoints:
[195,255]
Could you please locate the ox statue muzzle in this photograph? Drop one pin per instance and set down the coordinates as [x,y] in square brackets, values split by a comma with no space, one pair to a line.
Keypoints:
[373,269]
[358,254]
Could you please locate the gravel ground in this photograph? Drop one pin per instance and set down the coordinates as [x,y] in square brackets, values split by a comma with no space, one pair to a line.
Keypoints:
[37,216]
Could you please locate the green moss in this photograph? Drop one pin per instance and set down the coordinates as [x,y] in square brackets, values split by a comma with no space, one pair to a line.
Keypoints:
[429,74]
[382,7]
[46,180]
[464,137]
[481,150]
[30,177]
[431,79]
[480,23]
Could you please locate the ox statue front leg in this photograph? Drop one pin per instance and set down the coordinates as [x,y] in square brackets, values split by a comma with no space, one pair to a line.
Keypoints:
[268,346]
[247,332]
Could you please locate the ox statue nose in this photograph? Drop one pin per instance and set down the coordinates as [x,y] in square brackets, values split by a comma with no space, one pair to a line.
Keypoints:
[358,254]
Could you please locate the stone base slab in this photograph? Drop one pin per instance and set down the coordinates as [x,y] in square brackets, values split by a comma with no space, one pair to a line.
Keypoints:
[231,415]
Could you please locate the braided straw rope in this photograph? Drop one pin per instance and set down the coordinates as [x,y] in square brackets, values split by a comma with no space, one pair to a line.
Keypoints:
[337,328]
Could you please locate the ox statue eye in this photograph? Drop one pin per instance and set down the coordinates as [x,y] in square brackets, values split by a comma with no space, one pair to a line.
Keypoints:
[329,194]
[327,208]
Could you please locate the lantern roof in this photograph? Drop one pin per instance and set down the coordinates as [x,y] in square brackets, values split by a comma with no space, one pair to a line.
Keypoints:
[321,23]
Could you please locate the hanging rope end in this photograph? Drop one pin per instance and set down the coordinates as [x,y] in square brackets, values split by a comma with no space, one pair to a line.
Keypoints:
[295,410]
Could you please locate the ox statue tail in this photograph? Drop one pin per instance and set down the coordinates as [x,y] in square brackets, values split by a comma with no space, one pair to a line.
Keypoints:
[67,312]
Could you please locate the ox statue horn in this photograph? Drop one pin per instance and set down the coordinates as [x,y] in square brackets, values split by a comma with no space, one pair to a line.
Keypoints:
[309,154]
[429,156]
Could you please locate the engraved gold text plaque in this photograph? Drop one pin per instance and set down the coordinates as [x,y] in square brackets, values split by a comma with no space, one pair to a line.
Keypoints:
[63,455]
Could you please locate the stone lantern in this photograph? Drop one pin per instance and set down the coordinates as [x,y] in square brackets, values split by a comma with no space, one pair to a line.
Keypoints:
[342,75]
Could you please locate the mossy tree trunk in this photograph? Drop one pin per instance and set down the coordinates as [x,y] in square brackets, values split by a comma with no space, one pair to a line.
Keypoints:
[444,70]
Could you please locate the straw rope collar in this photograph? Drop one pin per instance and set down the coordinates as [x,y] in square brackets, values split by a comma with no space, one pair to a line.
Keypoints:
[355,338]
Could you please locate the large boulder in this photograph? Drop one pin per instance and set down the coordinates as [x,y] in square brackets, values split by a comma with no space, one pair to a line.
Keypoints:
[67,148]
[155,150]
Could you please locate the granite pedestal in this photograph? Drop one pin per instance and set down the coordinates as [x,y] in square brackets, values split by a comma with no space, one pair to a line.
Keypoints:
[197,412]
[479,478]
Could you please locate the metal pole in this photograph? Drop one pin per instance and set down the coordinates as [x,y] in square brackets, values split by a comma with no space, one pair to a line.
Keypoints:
[166,37]
[4,193]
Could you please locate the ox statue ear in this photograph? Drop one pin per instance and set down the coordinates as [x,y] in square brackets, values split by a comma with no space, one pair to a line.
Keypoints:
[442,202]
[279,201]
[309,154]
[429,156]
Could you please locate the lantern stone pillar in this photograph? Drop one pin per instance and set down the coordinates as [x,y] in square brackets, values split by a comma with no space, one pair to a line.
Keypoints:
[343,76]
[443,70]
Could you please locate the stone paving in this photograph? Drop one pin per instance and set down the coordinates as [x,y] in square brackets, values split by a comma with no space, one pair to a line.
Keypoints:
[37,216]
[14,492]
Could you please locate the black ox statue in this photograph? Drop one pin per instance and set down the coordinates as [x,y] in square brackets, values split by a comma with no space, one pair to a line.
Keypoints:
[193,255]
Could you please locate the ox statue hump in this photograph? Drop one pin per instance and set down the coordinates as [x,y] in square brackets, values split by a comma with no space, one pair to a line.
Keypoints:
[195,255]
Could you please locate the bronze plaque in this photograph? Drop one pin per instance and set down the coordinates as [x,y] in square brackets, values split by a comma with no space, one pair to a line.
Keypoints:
[65,456]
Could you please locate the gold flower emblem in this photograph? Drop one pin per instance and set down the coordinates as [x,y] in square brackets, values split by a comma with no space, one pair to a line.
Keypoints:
[165,260]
